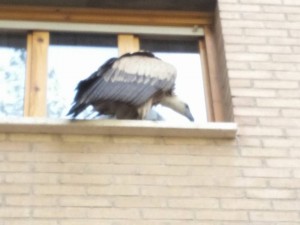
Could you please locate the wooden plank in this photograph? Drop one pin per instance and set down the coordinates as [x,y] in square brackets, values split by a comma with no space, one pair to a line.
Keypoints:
[128,43]
[36,81]
[206,81]
[28,74]
[108,16]
[215,86]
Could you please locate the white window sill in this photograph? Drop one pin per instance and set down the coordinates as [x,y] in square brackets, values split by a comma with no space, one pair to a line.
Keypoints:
[118,127]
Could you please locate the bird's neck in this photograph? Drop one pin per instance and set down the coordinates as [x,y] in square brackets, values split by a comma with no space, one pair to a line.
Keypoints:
[174,103]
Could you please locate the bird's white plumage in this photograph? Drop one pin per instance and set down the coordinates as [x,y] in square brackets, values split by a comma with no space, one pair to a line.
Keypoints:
[146,66]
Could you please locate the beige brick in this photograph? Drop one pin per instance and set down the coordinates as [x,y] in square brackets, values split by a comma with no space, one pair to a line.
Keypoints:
[136,159]
[251,92]
[2,137]
[14,212]
[265,216]
[264,152]
[215,171]
[256,112]
[260,131]
[285,183]
[279,142]
[85,179]
[59,167]
[247,57]
[289,93]
[240,83]
[269,48]
[30,137]
[58,147]
[266,172]
[281,9]
[83,158]
[218,192]
[249,142]
[86,138]
[237,204]
[14,167]
[242,74]
[58,190]
[262,2]
[291,2]
[32,157]
[234,48]
[84,201]
[14,189]
[29,178]
[222,215]
[239,7]
[291,113]
[287,205]
[162,170]
[139,202]
[113,190]
[241,182]
[14,146]
[139,180]
[243,101]
[21,200]
[253,16]
[194,203]
[286,58]
[178,214]
[170,191]
[281,122]
[44,212]
[266,32]
[276,84]
[271,194]
[29,221]
[187,160]
[273,66]
[283,163]
[234,162]
[113,213]
[236,39]
[136,140]
[273,102]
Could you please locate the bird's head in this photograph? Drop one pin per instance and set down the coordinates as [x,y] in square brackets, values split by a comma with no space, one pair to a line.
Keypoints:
[177,105]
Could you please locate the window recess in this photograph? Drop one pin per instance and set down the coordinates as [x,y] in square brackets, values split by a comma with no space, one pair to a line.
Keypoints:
[121,30]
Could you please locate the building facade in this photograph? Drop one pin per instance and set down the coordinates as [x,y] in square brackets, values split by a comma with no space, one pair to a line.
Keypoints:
[252,179]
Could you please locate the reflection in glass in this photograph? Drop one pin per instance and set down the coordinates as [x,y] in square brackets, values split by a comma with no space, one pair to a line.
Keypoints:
[71,58]
[12,74]
[184,55]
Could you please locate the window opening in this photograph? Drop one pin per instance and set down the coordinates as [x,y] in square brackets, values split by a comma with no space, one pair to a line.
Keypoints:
[184,55]
[12,73]
[73,57]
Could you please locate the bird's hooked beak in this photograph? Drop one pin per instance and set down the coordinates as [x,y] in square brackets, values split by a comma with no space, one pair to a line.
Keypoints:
[188,114]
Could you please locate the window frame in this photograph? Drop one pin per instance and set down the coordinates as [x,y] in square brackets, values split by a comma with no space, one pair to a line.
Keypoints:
[42,20]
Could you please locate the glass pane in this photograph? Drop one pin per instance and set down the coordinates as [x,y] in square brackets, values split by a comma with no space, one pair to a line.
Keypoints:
[73,57]
[184,55]
[12,74]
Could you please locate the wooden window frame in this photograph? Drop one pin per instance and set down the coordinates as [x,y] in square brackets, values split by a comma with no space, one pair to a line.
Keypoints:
[38,43]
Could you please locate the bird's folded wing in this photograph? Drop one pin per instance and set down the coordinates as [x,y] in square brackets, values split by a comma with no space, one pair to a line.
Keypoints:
[132,80]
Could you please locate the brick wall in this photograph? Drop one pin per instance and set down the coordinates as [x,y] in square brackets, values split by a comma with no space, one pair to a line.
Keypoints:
[254,179]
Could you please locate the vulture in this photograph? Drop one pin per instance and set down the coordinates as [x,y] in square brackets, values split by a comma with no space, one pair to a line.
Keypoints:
[128,86]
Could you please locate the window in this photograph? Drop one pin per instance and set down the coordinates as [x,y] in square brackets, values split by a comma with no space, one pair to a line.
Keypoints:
[102,34]
[12,73]
[71,58]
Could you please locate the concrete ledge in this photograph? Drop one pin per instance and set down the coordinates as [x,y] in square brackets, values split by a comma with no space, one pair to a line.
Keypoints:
[118,127]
